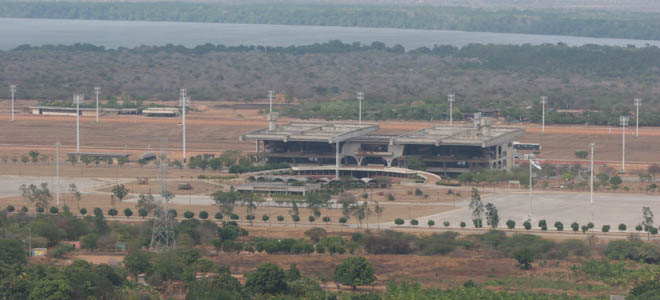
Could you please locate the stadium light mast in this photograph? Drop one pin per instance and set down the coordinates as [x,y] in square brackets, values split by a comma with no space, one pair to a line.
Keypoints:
[184,101]
[360,96]
[638,103]
[544,100]
[624,123]
[12,89]
[591,183]
[451,108]
[270,99]
[57,173]
[78,99]
[535,165]
[97,90]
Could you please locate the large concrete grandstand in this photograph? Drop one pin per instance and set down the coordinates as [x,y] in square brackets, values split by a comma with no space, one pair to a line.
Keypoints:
[441,149]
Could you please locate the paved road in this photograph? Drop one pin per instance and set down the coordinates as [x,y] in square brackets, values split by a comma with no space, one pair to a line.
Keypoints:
[608,209]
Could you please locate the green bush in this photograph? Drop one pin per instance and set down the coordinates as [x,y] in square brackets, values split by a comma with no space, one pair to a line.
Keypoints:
[527,225]
[326,219]
[622,227]
[414,222]
[203,215]
[265,218]
[40,209]
[62,250]
[639,228]
[54,210]
[559,226]
[10,208]
[218,216]
[311,219]
[463,224]
[343,220]
[575,226]
[399,221]
[234,217]
[83,211]
[446,223]
[606,228]
[511,224]
[128,212]
[431,223]
[280,218]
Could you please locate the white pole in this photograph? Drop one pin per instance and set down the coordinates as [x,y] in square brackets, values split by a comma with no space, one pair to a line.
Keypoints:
[97,90]
[530,188]
[638,102]
[451,109]
[270,97]
[76,98]
[12,89]
[182,98]
[624,122]
[591,192]
[360,97]
[544,100]
[57,172]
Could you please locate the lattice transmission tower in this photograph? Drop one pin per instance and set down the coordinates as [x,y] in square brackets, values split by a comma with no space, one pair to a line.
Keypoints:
[162,235]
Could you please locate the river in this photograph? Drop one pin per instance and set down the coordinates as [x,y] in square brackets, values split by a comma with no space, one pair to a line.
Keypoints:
[113,34]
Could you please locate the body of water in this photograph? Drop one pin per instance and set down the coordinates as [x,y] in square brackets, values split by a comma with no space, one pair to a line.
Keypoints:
[113,34]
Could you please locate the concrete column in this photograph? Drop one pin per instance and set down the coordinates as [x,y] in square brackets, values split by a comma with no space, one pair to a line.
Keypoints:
[337,161]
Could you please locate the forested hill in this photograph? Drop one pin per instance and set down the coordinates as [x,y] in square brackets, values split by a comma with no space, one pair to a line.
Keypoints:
[590,23]
[404,84]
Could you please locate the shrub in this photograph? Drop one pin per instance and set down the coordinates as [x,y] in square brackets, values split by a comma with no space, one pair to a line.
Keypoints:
[446,223]
[250,217]
[527,225]
[98,212]
[511,224]
[265,218]
[463,224]
[590,225]
[575,226]
[316,234]
[639,228]
[584,228]
[112,212]
[525,257]
[311,219]
[280,218]
[418,192]
[622,227]
[234,217]
[128,212]
[203,215]
[83,211]
[10,208]
[326,219]
[606,228]
[390,197]
[54,210]
[389,242]
[343,220]
[62,250]
[559,226]
[478,223]
[40,209]
[414,222]
[24,209]
[398,221]
[654,230]
[218,216]
[431,223]
[543,223]
[142,212]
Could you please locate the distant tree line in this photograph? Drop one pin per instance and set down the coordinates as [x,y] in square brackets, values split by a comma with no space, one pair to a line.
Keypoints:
[398,84]
[592,23]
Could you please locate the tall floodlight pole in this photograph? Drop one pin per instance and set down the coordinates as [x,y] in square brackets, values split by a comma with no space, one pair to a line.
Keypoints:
[624,123]
[270,101]
[451,108]
[531,164]
[638,103]
[78,99]
[591,184]
[544,100]
[184,101]
[97,90]
[57,173]
[360,97]
[12,89]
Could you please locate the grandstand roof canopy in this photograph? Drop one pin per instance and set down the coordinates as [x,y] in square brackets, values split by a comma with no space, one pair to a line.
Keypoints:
[454,135]
[313,132]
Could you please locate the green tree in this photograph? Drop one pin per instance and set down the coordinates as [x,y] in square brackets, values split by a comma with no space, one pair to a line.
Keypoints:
[34,156]
[647,221]
[225,200]
[267,279]
[51,289]
[39,194]
[89,241]
[137,262]
[476,205]
[119,191]
[315,201]
[525,256]
[12,251]
[128,212]
[354,271]
[492,215]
